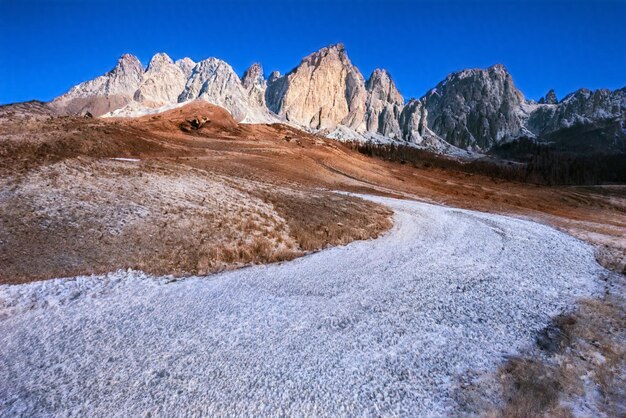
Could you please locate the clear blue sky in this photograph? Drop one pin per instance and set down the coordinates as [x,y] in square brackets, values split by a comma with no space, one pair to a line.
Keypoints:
[46,46]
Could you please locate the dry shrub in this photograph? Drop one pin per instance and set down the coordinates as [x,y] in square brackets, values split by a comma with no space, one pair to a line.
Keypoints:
[529,387]
[261,249]
[585,351]
[319,219]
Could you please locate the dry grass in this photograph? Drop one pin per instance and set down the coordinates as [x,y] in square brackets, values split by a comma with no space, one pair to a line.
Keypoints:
[319,219]
[578,368]
[85,216]
[529,387]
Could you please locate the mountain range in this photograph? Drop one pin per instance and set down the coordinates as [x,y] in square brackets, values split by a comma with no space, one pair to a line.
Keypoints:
[471,111]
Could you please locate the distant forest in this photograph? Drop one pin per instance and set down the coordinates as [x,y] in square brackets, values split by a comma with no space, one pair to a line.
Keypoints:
[523,161]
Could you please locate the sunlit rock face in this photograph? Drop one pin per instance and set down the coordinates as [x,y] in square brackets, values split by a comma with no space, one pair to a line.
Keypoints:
[325,90]
[104,93]
[162,82]
[384,105]
[254,84]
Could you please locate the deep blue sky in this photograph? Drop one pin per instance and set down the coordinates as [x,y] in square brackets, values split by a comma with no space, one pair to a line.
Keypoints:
[46,46]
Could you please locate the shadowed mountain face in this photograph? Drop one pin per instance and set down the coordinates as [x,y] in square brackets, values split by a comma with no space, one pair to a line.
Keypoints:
[475,110]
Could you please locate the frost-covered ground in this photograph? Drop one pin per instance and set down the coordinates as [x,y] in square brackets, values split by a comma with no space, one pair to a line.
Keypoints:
[375,327]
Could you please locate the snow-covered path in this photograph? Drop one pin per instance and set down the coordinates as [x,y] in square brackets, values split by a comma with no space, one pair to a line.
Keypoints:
[375,327]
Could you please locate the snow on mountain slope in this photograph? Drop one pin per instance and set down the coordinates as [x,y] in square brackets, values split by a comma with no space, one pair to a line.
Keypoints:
[382,327]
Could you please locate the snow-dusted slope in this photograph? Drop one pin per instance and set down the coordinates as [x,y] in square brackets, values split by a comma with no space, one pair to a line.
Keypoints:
[379,327]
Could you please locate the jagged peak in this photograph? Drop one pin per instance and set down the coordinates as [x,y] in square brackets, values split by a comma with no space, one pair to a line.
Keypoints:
[253,75]
[275,75]
[211,60]
[498,68]
[186,65]
[185,61]
[381,85]
[338,47]
[128,58]
[212,64]
[158,61]
[583,93]
[335,50]
[128,61]
[379,75]
[255,68]
[549,98]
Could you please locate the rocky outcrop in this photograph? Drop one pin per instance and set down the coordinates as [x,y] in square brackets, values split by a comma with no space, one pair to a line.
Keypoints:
[254,84]
[215,81]
[579,108]
[383,106]
[186,66]
[549,98]
[275,91]
[162,82]
[325,90]
[475,109]
[105,93]
[413,123]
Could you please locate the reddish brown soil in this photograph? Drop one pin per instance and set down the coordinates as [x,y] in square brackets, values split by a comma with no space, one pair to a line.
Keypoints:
[206,139]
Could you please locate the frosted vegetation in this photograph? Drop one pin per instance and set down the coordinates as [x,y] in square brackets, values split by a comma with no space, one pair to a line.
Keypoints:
[386,326]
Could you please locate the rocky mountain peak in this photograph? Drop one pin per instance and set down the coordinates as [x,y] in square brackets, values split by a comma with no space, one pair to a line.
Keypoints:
[498,68]
[128,63]
[325,90]
[475,108]
[186,65]
[384,105]
[336,51]
[579,108]
[381,86]
[125,77]
[254,83]
[549,98]
[253,76]
[158,61]
[205,74]
[216,82]
[106,92]
[275,75]
[162,82]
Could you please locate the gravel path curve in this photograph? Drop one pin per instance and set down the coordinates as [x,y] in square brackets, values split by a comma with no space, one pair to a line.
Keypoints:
[380,327]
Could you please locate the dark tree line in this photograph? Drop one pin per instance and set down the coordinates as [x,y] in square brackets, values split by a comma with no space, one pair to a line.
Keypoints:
[533,163]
